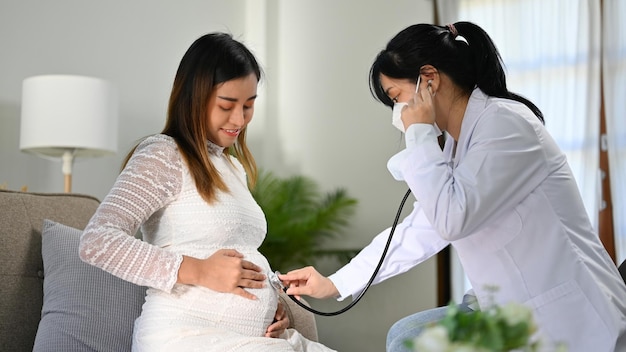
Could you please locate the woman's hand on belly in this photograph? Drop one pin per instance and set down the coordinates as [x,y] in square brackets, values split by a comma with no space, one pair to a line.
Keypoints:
[224,271]
[280,324]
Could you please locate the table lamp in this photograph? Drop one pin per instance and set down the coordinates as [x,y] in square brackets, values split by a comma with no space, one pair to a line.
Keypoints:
[66,116]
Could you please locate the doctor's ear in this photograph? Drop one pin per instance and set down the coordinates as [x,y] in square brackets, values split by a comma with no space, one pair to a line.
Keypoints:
[429,72]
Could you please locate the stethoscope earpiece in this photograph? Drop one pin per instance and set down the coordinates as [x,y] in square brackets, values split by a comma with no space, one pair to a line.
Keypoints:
[430,87]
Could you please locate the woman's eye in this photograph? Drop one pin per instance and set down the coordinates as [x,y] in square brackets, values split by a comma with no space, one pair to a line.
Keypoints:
[245,107]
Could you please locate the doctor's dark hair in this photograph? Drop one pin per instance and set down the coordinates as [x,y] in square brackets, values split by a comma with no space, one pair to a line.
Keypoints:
[475,63]
[210,60]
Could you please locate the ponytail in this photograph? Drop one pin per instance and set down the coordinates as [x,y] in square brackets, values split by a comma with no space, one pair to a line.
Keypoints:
[489,68]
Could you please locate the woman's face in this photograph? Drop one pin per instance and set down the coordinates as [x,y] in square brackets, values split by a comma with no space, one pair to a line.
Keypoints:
[398,90]
[230,109]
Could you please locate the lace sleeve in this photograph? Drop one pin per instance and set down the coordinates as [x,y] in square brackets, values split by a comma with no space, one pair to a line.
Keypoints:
[151,178]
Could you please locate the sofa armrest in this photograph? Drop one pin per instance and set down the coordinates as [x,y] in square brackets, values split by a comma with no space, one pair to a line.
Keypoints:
[21,264]
[299,318]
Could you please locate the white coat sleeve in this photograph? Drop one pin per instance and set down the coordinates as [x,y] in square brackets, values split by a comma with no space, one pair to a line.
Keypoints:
[413,242]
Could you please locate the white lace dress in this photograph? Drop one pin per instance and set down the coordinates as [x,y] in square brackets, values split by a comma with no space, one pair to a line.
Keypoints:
[155,191]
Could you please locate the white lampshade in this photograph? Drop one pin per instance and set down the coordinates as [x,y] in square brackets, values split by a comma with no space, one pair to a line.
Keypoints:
[68,116]
[61,112]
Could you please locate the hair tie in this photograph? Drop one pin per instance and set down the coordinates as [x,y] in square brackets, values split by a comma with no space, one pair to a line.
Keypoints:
[455,34]
[453,30]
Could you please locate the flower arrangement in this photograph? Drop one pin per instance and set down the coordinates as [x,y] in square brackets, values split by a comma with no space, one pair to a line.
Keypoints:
[509,327]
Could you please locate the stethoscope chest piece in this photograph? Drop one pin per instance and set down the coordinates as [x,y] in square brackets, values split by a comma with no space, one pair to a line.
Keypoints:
[275,281]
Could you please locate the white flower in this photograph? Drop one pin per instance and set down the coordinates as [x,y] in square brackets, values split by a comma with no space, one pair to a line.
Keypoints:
[509,327]
[515,313]
[432,339]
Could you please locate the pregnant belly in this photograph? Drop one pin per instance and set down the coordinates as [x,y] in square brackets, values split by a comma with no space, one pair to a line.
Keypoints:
[197,307]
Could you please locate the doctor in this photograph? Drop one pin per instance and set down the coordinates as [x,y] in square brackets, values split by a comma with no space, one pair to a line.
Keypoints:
[500,192]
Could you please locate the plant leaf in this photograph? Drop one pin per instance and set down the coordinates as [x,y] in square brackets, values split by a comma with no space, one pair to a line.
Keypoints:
[300,218]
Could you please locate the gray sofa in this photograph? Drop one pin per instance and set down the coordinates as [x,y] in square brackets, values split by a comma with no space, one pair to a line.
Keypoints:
[49,299]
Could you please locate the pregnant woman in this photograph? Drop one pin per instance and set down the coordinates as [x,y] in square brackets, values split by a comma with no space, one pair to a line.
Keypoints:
[188,190]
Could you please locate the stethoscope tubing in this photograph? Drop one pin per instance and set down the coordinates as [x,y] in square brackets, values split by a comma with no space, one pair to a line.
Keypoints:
[369,283]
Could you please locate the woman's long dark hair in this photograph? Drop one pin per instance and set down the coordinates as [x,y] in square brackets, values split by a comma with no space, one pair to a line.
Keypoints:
[475,63]
[212,59]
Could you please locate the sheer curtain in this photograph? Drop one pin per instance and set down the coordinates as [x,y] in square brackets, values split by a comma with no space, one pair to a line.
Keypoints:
[447,11]
[614,85]
[551,51]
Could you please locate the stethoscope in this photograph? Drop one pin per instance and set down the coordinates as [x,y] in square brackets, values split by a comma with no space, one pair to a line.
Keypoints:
[275,281]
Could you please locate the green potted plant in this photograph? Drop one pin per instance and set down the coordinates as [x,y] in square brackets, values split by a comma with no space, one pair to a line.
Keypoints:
[300,218]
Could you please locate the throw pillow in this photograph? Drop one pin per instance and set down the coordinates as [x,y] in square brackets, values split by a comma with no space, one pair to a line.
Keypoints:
[84,307]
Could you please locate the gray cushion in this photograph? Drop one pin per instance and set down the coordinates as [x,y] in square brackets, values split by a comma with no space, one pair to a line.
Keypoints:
[84,307]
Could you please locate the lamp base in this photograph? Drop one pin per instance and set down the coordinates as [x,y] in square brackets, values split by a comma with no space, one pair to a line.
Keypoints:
[68,183]
[68,160]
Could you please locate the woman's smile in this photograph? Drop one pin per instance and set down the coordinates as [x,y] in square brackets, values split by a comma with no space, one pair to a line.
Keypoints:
[231,133]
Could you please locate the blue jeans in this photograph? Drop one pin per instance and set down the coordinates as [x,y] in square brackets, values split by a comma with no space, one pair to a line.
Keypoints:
[409,327]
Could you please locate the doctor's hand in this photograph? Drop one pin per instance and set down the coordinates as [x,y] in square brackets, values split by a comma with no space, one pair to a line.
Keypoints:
[420,108]
[224,271]
[308,282]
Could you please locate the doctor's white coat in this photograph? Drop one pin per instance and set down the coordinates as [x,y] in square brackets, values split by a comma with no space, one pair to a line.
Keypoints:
[509,205]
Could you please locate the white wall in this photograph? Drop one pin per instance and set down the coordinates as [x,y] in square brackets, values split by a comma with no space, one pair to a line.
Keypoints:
[316,115]
[135,44]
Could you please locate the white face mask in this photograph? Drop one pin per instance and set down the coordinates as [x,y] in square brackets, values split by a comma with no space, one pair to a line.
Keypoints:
[396,116]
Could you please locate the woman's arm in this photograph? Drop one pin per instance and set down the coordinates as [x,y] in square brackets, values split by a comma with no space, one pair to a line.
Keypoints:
[151,178]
